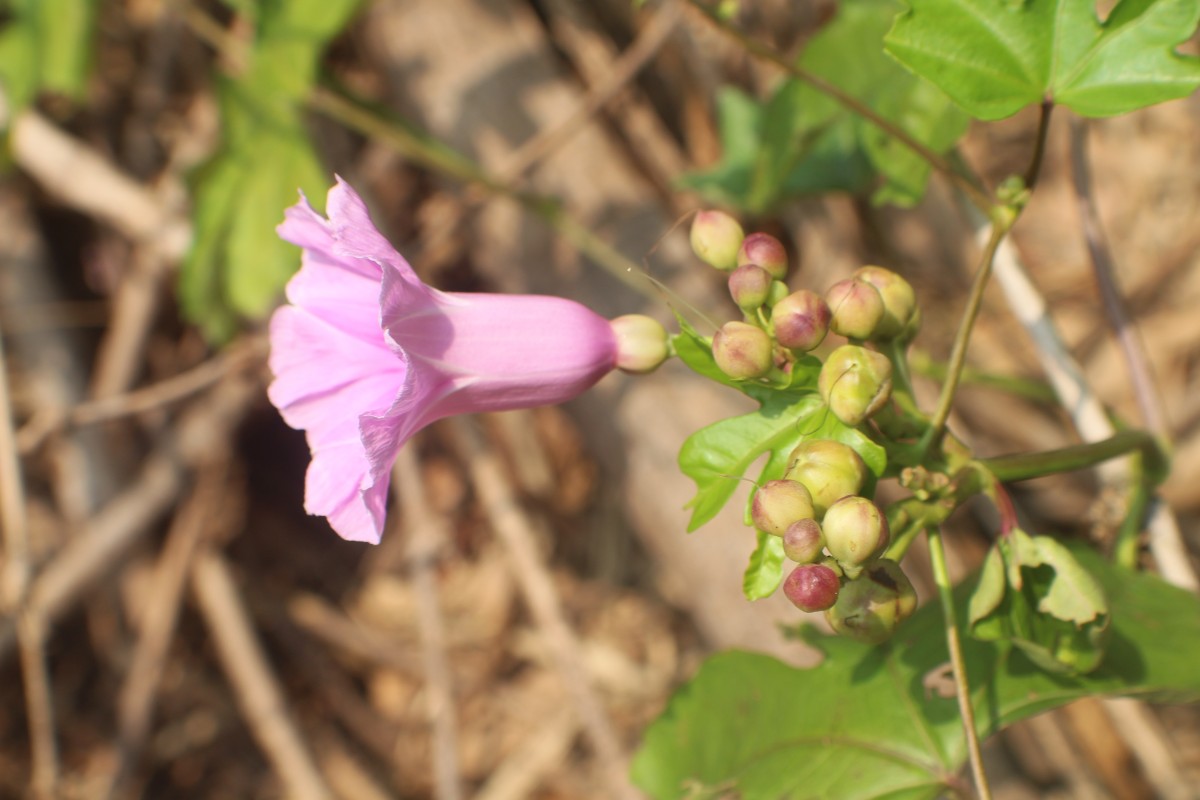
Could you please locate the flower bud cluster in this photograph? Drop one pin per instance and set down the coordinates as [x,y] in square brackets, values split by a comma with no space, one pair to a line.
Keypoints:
[833,534]
[780,325]
[836,538]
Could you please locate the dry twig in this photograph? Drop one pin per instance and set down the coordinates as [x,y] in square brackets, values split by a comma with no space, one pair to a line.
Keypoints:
[107,536]
[14,584]
[135,704]
[245,354]
[426,533]
[259,695]
[514,527]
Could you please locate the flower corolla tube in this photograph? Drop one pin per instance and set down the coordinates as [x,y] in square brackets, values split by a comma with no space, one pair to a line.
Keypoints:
[364,355]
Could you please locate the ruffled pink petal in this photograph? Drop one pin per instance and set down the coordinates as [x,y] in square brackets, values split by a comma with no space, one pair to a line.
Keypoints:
[325,379]
[355,235]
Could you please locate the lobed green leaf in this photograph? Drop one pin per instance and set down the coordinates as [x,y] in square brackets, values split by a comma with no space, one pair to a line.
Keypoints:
[994,58]
[881,722]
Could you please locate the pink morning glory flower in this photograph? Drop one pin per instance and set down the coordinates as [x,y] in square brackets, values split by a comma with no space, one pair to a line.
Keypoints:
[365,355]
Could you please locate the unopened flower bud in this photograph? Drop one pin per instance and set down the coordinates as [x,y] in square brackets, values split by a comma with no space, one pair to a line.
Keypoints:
[800,320]
[855,531]
[777,504]
[899,300]
[767,252]
[742,351]
[749,286]
[855,382]
[642,343]
[857,308]
[812,587]
[870,607]
[913,327]
[829,470]
[716,238]
[779,290]
[803,540]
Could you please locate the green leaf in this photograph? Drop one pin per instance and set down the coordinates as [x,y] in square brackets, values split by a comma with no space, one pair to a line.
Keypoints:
[47,46]
[872,722]
[994,58]
[765,570]
[1036,595]
[717,456]
[801,141]
[695,351]
[238,265]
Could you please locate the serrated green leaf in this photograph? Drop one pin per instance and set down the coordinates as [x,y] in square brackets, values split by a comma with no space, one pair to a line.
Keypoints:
[994,58]
[259,262]
[238,265]
[868,722]
[764,573]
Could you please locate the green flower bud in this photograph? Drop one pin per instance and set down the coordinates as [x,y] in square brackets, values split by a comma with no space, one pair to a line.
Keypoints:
[767,252]
[742,351]
[803,541]
[716,238]
[777,504]
[855,382]
[857,308]
[779,290]
[829,470]
[800,320]
[913,327]
[642,343]
[749,286]
[855,531]
[812,587]
[899,300]
[870,607]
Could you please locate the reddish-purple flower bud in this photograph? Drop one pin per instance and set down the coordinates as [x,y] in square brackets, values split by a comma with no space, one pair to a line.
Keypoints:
[642,343]
[855,382]
[749,286]
[899,300]
[766,251]
[812,587]
[855,531]
[716,238]
[742,351]
[800,320]
[803,541]
[777,504]
[870,607]
[857,308]
[829,470]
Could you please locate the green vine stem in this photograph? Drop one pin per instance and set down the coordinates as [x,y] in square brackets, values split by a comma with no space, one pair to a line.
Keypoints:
[1039,148]
[941,576]
[1023,466]
[1002,222]
[921,363]
[968,184]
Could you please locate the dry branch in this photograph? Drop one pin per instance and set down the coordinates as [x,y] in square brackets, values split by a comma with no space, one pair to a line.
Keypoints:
[259,695]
